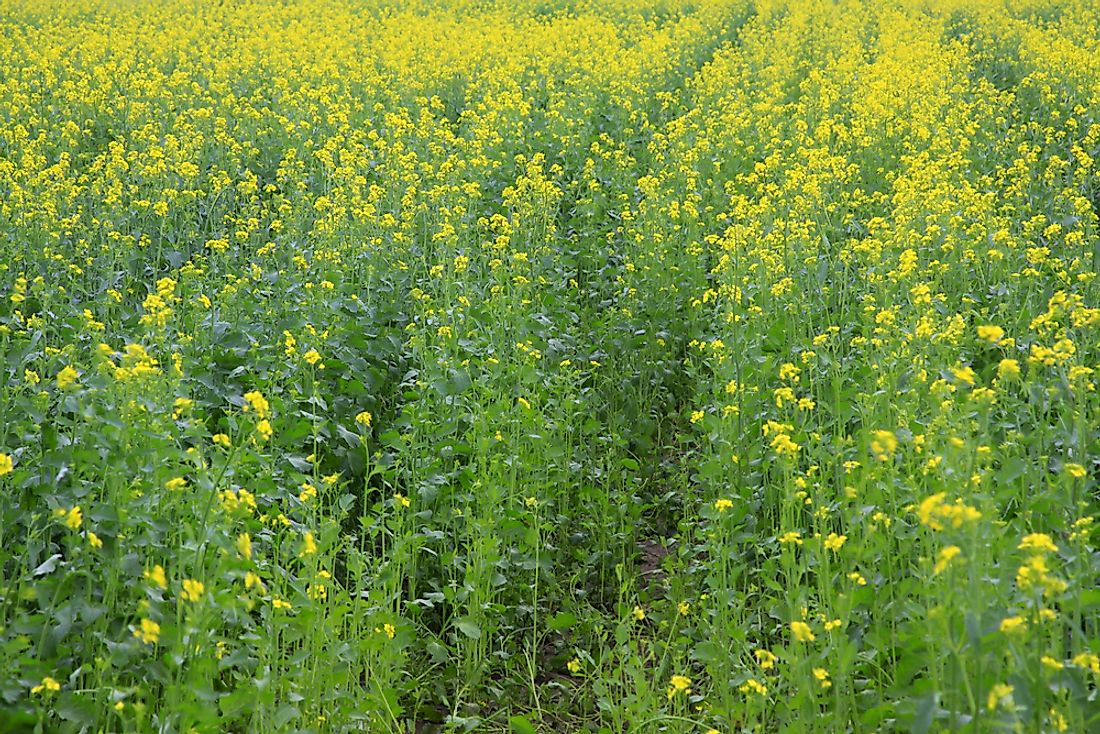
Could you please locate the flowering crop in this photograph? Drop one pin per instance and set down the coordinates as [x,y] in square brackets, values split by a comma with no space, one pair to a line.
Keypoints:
[549,365]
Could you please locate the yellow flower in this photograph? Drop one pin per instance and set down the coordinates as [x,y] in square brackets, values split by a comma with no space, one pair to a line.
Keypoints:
[156,576]
[148,632]
[1087,660]
[1035,573]
[364,419]
[802,632]
[782,395]
[222,440]
[753,686]
[94,541]
[784,446]
[177,483]
[244,545]
[883,444]
[1081,528]
[1074,470]
[996,694]
[834,542]
[280,604]
[992,334]
[309,545]
[1039,543]
[192,590]
[574,666]
[264,429]
[6,464]
[401,500]
[1008,369]
[679,684]
[793,536]
[312,357]
[638,614]
[943,560]
[934,511]
[965,375]
[73,518]
[48,685]
[66,378]
[822,676]
[765,659]
[257,402]
[1051,663]
[722,504]
[1012,625]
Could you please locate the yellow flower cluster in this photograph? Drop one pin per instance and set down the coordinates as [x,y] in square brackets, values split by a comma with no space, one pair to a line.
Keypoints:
[353,345]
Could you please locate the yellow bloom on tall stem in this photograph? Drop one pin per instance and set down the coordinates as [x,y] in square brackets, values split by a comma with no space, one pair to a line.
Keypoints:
[264,429]
[48,685]
[156,576]
[244,545]
[66,378]
[73,517]
[148,632]
[678,684]
[1038,542]
[192,590]
[309,545]
[256,401]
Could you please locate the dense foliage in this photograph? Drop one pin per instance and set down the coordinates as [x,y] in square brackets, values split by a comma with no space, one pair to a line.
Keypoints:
[549,365]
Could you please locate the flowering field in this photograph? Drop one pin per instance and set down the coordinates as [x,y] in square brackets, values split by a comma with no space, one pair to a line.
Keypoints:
[549,366]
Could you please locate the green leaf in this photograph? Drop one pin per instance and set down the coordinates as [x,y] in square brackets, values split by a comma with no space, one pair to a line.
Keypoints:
[1089,598]
[562,621]
[708,652]
[285,715]
[48,565]
[437,651]
[521,725]
[469,628]
[76,708]
[925,711]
